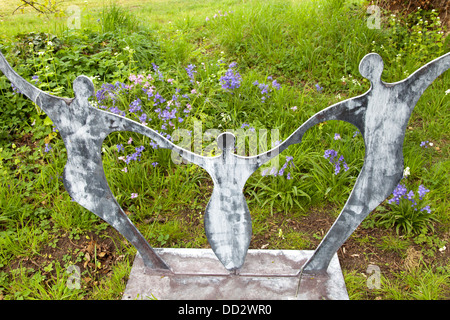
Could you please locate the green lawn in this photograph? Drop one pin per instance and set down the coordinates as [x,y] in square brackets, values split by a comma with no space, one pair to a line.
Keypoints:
[292,59]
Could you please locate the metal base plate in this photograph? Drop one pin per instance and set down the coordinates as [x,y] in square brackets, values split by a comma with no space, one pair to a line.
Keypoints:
[197,274]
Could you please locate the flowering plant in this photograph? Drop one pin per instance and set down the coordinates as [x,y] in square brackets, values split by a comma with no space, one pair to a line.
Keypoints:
[408,213]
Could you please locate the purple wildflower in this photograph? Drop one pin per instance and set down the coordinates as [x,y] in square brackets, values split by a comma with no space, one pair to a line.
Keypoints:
[319,88]
[422,191]
[264,88]
[190,71]
[398,193]
[232,79]
[274,171]
[117,111]
[106,92]
[276,85]
[160,75]
[410,195]
[35,79]
[135,156]
[15,89]
[47,148]
[331,155]
[135,105]
[153,144]
[158,97]
[120,147]
[143,117]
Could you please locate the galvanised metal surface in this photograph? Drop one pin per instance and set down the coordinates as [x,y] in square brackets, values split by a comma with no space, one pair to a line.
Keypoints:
[381,115]
[265,275]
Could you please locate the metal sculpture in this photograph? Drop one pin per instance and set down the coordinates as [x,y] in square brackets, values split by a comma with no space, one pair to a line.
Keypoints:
[381,115]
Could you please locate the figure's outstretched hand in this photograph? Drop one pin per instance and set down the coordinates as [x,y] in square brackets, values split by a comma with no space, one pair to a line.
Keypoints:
[30,91]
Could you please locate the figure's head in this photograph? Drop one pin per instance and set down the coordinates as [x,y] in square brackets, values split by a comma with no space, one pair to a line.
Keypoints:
[371,67]
[226,141]
[83,87]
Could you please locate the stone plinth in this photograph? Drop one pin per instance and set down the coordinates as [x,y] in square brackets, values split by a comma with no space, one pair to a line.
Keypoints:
[197,274]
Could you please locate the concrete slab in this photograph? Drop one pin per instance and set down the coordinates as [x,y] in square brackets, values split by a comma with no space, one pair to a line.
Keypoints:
[197,274]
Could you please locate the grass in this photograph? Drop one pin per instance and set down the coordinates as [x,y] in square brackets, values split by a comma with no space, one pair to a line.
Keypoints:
[303,45]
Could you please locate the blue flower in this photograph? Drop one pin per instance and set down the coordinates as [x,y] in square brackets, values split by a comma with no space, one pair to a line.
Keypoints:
[15,89]
[117,111]
[422,191]
[331,155]
[276,85]
[264,88]
[135,156]
[232,79]
[106,92]
[319,88]
[158,97]
[190,71]
[153,144]
[135,105]
[274,172]
[35,79]
[120,147]
[47,148]
[143,117]
[398,193]
[156,68]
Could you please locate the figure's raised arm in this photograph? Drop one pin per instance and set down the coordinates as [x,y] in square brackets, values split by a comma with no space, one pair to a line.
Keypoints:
[118,123]
[31,92]
[422,78]
[351,110]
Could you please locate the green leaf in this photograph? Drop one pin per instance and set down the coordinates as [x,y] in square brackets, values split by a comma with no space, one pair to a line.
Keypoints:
[48,121]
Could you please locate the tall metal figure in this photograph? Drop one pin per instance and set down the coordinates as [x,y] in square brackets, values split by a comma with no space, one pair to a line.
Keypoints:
[381,115]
